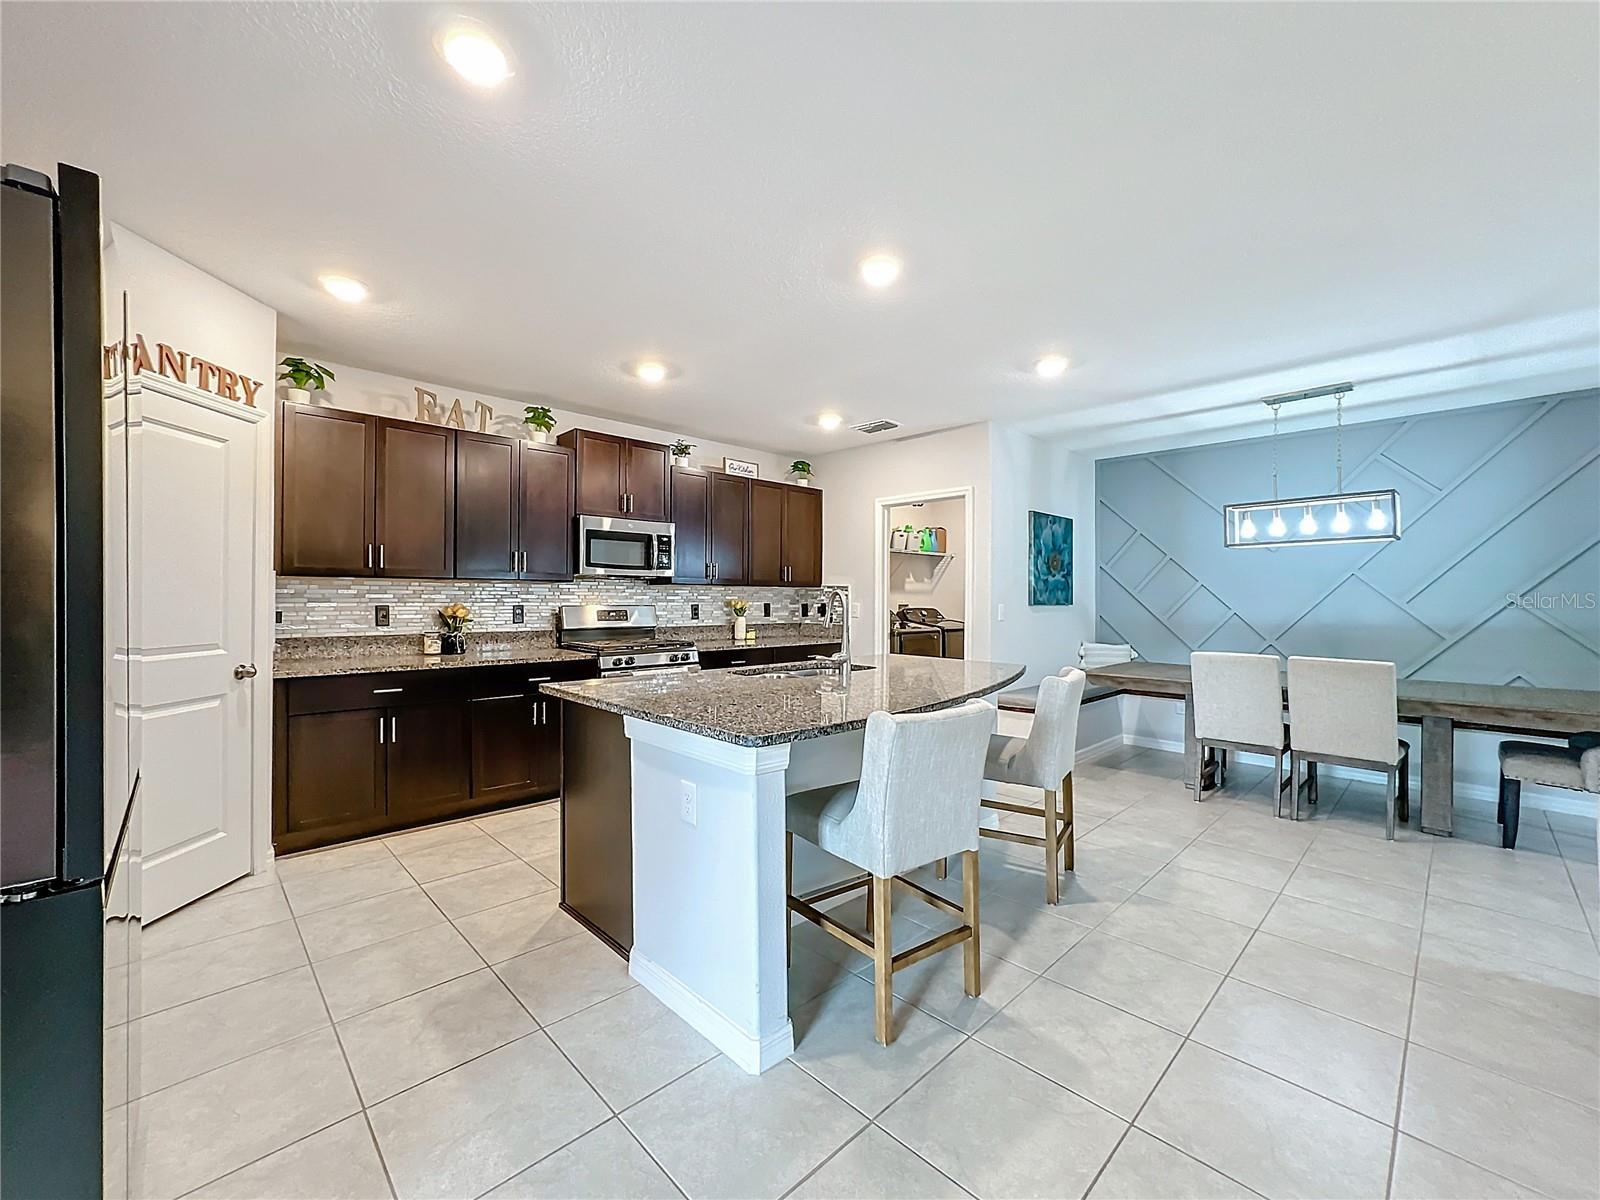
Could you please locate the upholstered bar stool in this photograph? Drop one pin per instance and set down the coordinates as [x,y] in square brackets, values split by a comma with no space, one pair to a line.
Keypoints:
[916,801]
[1342,712]
[1042,760]
[1238,705]
[1575,767]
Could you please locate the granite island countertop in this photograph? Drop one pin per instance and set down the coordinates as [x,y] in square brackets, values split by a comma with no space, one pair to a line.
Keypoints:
[757,706]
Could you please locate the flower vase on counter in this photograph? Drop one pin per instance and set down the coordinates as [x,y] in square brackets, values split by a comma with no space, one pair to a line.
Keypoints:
[738,607]
[455,618]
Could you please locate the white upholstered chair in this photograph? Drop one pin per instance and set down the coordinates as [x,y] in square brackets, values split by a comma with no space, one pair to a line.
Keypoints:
[916,802]
[1575,766]
[1342,711]
[1238,705]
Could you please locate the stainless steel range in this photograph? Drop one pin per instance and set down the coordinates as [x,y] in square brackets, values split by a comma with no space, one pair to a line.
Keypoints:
[623,638]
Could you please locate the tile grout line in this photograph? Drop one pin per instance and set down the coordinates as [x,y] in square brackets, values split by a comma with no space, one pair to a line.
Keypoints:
[1405,1046]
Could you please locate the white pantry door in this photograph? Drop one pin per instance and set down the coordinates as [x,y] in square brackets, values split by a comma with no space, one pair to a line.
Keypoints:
[192,622]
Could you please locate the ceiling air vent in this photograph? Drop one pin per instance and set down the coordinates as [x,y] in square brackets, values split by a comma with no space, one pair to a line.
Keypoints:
[876,426]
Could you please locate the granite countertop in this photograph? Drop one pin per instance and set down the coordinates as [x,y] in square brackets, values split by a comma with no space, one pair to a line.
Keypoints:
[754,709]
[310,657]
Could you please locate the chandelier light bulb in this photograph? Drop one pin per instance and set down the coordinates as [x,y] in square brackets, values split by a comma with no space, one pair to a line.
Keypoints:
[1376,519]
[1247,527]
[1276,527]
[1308,524]
[1340,522]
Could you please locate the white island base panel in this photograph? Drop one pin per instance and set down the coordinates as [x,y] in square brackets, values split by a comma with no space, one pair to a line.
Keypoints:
[709,907]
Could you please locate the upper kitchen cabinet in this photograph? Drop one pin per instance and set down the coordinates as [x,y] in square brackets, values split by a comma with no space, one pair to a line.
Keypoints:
[415,500]
[620,477]
[326,468]
[691,526]
[513,509]
[544,522]
[785,534]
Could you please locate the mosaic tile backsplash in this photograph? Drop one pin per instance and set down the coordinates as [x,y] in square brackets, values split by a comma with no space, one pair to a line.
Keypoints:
[309,607]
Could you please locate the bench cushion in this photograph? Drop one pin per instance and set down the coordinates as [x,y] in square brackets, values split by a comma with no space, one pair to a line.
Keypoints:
[1554,766]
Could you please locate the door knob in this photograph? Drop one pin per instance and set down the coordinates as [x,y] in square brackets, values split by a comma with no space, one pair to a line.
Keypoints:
[245,671]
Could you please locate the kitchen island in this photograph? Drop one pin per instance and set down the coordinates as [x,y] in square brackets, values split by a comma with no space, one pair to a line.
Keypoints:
[673,818]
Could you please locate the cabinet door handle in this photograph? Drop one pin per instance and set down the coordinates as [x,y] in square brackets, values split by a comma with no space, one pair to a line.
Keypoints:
[486,699]
[385,691]
[380,556]
[369,556]
[524,560]
[394,731]
[540,678]
[542,715]
[380,731]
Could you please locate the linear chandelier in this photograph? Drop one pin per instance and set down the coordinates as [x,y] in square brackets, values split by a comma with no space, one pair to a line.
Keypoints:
[1328,520]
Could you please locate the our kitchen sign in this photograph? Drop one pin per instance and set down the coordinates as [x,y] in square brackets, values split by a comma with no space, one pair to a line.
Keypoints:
[182,366]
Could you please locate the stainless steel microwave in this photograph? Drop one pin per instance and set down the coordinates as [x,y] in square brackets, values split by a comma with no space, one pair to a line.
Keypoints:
[620,546]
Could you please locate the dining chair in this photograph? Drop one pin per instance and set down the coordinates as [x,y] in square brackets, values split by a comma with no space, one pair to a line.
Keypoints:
[916,802]
[1342,711]
[1238,705]
[1573,767]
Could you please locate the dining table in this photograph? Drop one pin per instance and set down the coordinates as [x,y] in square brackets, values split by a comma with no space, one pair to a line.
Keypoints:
[1440,707]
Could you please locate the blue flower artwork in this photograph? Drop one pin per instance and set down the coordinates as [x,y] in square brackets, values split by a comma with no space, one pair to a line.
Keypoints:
[1049,559]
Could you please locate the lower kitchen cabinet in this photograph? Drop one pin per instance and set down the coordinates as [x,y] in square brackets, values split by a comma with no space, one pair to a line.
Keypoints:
[753,656]
[355,755]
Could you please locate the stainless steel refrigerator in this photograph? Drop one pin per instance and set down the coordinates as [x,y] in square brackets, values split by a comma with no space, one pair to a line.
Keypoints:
[65,792]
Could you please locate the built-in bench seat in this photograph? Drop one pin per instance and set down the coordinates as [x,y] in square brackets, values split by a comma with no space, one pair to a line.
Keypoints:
[1025,699]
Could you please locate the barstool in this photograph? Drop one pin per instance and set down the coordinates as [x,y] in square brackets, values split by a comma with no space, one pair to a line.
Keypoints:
[916,801]
[1041,760]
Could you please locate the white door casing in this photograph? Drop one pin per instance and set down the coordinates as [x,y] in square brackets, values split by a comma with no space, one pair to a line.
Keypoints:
[194,490]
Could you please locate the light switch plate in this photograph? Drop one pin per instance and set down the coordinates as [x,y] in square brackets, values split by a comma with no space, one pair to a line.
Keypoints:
[380,614]
[518,614]
[694,612]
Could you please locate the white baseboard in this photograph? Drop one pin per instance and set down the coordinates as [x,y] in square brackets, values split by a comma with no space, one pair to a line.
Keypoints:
[1554,800]
[753,1054]
[1100,749]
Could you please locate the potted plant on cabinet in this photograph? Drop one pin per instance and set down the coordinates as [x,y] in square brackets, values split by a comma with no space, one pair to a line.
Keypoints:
[738,607]
[800,472]
[680,453]
[304,378]
[540,421]
[455,618]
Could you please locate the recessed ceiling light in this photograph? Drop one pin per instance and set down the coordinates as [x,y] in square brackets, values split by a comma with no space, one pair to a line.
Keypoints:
[879,270]
[474,56]
[1051,366]
[830,421]
[650,372]
[342,287]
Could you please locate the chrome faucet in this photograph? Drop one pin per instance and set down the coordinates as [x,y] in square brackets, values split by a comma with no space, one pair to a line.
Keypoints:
[834,598]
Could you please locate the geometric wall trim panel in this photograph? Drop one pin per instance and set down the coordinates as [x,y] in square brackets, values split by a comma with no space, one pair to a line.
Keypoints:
[1488,584]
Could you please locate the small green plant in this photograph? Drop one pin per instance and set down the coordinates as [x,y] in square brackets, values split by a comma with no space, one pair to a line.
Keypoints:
[737,606]
[540,417]
[312,377]
[682,449]
[799,467]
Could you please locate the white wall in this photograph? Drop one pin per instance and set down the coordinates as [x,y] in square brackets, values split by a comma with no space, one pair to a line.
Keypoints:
[932,582]
[395,396]
[852,482]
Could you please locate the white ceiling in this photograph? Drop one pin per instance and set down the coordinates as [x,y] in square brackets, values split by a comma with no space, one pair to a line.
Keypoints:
[1198,204]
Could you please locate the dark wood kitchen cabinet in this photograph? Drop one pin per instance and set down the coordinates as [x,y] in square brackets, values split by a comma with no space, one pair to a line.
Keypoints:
[691,525]
[415,500]
[620,477]
[802,536]
[730,535]
[513,509]
[356,755]
[325,484]
[766,532]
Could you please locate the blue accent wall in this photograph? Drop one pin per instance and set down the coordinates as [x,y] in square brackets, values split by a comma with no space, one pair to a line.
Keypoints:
[1499,501]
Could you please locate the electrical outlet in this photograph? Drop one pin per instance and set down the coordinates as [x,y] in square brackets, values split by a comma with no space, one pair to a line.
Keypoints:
[805,609]
[380,614]
[688,802]
[278,617]
[518,614]
[999,612]
[855,609]
[694,612]
[822,611]
[766,610]
[1177,708]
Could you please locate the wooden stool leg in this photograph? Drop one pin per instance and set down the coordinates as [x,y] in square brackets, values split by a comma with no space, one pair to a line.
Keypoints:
[1066,804]
[882,963]
[971,970]
[1052,876]
[788,891]
[941,869]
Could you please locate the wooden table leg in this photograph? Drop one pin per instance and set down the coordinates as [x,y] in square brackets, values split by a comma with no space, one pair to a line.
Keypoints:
[1438,775]
[1191,747]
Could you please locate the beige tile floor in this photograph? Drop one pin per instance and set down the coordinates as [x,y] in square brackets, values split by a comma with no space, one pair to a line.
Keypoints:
[1223,1004]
